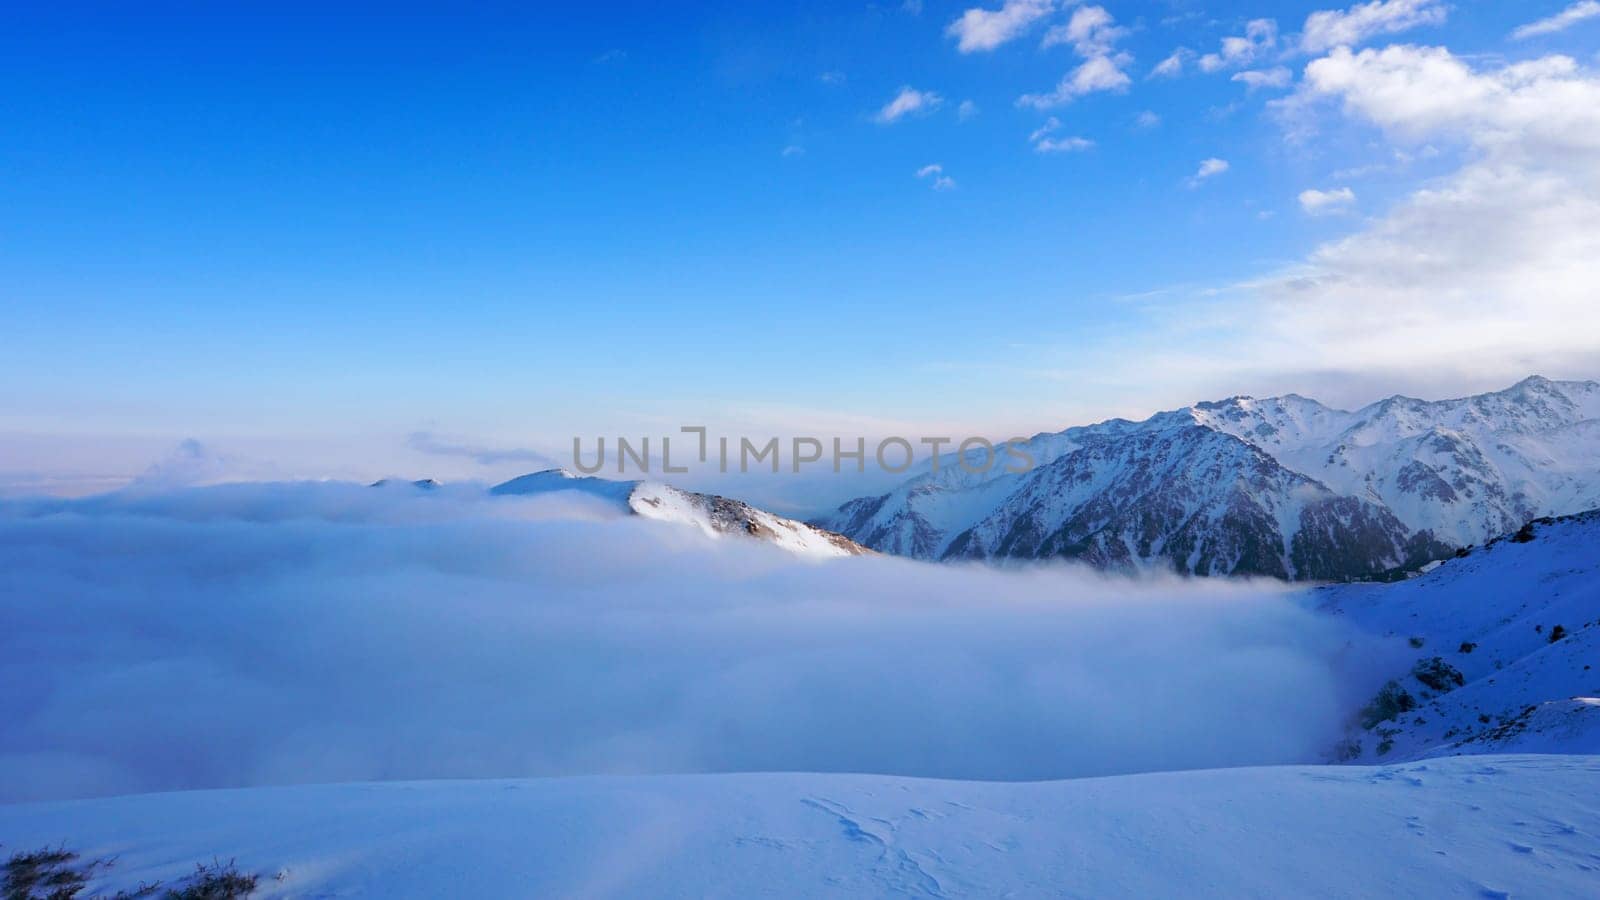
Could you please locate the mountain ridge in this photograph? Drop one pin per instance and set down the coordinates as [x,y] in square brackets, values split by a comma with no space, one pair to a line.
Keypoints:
[714,515]
[1283,486]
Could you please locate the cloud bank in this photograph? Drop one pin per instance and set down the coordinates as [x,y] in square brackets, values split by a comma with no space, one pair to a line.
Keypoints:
[1489,264]
[264,634]
[1470,281]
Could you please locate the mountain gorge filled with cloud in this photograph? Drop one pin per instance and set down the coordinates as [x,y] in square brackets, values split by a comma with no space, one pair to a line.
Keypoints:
[1107,448]
[300,633]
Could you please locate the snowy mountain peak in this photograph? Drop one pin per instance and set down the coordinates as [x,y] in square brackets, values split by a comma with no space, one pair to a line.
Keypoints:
[1302,490]
[713,515]
[543,476]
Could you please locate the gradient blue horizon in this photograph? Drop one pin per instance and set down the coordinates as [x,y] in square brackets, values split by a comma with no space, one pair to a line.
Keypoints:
[257,221]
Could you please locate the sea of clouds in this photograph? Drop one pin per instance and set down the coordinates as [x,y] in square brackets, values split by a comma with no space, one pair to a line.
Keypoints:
[308,632]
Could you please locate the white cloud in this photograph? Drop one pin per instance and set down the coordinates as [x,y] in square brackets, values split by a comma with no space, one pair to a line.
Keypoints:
[1091,32]
[832,78]
[1260,36]
[1541,107]
[1276,77]
[1399,160]
[1470,283]
[966,110]
[981,29]
[909,102]
[1331,28]
[1147,120]
[1320,203]
[793,150]
[1100,73]
[1063,145]
[1043,142]
[1561,21]
[1477,275]
[1172,66]
[934,175]
[1209,168]
[1093,36]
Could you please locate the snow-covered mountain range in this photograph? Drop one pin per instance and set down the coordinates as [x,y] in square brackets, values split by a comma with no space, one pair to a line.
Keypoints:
[713,515]
[1283,486]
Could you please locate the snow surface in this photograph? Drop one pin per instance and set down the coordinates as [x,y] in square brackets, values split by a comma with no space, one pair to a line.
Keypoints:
[1490,615]
[1502,826]
[713,516]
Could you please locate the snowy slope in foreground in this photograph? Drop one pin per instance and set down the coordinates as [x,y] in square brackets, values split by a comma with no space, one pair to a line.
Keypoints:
[1506,640]
[715,516]
[1467,827]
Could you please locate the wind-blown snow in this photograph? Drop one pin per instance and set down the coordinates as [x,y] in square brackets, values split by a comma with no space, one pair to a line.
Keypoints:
[267,634]
[1470,827]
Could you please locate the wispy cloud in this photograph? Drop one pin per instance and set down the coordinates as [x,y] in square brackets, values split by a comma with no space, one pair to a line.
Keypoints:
[1256,79]
[1260,37]
[933,173]
[1172,66]
[1043,142]
[431,444]
[1050,125]
[978,29]
[1561,21]
[1331,28]
[1063,145]
[1209,168]
[1321,203]
[909,102]
[1098,74]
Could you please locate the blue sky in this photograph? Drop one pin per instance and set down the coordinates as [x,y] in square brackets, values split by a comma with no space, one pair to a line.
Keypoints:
[302,234]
